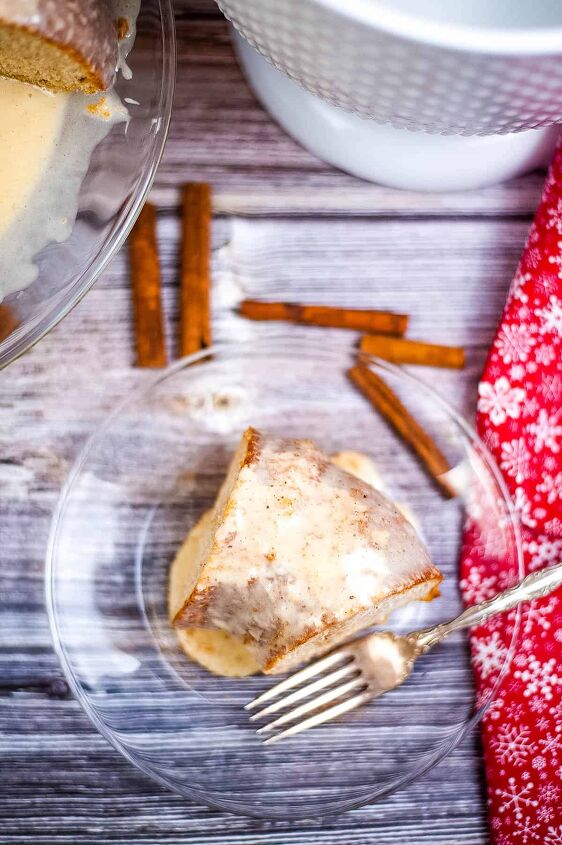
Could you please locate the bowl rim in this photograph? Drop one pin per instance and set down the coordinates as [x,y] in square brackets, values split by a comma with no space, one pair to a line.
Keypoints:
[195,793]
[500,41]
[16,344]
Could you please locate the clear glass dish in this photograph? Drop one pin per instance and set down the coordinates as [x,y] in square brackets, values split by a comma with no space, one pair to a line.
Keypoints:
[121,172]
[140,484]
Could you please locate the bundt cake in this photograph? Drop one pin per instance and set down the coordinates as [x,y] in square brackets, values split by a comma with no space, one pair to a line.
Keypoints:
[62,45]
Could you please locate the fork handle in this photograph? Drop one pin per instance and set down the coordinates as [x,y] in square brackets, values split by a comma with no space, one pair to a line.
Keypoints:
[534,586]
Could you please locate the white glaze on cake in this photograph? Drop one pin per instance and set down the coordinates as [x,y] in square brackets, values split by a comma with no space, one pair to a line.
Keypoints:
[301,554]
[129,10]
[46,171]
[31,125]
[217,650]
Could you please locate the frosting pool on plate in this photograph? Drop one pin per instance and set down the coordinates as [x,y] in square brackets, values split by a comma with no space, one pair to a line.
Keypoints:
[46,143]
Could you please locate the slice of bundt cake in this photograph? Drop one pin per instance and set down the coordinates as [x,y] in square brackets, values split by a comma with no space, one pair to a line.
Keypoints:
[296,556]
[62,45]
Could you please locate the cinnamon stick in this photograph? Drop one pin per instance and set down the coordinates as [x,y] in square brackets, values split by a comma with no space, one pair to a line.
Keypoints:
[145,274]
[195,323]
[387,403]
[384,322]
[402,351]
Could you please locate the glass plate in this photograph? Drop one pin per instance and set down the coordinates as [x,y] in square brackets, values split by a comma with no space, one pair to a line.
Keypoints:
[121,172]
[141,483]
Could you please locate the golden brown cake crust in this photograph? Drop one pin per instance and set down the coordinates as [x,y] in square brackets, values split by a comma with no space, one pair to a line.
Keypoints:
[83,30]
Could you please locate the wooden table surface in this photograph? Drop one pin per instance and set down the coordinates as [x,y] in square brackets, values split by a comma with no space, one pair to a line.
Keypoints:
[287,226]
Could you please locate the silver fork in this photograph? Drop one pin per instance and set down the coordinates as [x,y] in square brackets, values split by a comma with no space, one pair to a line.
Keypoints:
[368,667]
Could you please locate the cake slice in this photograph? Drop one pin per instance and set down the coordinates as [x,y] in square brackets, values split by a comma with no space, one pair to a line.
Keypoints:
[216,650]
[298,555]
[67,45]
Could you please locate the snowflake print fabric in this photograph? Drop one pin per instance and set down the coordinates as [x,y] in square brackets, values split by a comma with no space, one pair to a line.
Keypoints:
[519,417]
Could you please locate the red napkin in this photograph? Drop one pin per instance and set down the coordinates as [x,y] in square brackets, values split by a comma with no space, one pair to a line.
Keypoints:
[520,419]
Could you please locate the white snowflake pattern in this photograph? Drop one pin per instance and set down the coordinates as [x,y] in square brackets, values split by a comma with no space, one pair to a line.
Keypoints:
[539,677]
[488,654]
[536,615]
[551,316]
[542,552]
[512,745]
[515,459]
[494,711]
[526,830]
[545,354]
[533,256]
[553,836]
[545,813]
[552,743]
[552,486]
[554,217]
[550,463]
[557,259]
[515,711]
[514,342]
[546,431]
[530,403]
[524,508]
[537,705]
[546,283]
[549,793]
[527,644]
[556,711]
[534,234]
[477,587]
[490,542]
[528,801]
[492,440]
[550,387]
[517,287]
[516,798]
[523,312]
[500,400]
[517,372]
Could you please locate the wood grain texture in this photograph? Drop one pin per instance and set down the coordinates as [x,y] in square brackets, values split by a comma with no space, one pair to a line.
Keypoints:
[289,228]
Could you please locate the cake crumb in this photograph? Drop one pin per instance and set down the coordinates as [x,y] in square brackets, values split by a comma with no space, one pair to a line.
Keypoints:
[100,108]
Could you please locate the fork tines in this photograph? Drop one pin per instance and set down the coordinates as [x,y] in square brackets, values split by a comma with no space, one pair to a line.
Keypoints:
[344,680]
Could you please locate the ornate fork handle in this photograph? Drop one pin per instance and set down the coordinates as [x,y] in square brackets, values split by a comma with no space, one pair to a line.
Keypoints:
[534,586]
